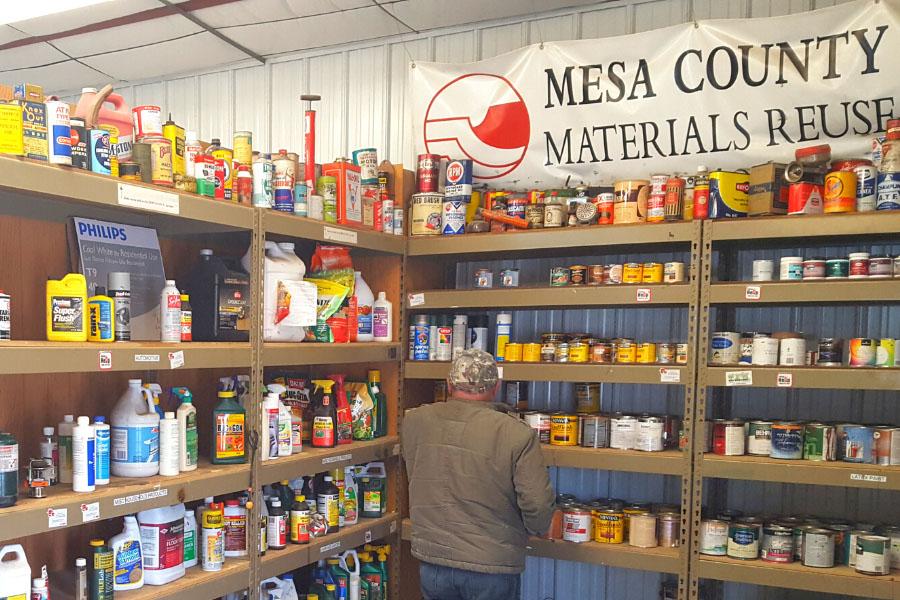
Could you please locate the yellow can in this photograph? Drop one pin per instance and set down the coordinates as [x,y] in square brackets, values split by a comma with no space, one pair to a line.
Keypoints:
[609,526]
[512,352]
[531,352]
[243,148]
[174,132]
[626,352]
[113,148]
[632,272]
[226,156]
[646,353]
[564,430]
[652,273]
[579,352]
[840,192]
[12,139]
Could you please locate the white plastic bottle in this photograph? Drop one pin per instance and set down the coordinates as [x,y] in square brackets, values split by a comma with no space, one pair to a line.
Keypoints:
[101,450]
[135,433]
[190,539]
[364,304]
[170,313]
[235,517]
[15,572]
[284,429]
[83,456]
[64,439]
[283,271]
[162,543]
[382,319]
[39,589]
[169,451]
[271,413]
[187,434]
[128,559]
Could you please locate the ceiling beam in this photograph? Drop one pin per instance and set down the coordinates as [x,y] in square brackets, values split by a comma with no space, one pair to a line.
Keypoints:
[203,25]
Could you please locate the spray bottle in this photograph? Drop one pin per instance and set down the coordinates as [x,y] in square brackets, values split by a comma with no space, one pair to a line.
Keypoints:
[351,496]
[155,393]
[271,408]
[186,415]
[344,416]
[324,426]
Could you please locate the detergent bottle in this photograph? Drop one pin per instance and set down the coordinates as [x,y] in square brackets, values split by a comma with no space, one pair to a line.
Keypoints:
[67,311]
[15,573]
[353,578]
[284,294]
[128,565]
[114,113]
[135,433]
[187,429]
[228,430]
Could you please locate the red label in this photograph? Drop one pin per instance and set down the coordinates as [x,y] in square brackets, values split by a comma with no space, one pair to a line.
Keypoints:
[162,544]
[173,301]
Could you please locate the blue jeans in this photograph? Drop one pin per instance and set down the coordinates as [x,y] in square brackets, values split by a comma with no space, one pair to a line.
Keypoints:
[447,583]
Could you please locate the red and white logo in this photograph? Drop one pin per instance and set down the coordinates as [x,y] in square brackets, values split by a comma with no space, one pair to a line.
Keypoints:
[482,117]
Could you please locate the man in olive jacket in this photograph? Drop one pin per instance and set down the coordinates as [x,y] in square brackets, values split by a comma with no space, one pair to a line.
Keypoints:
[477,487]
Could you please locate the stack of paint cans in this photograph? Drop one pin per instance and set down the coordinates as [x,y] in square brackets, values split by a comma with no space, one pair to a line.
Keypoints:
[617,273]
[615,521]
[797,349]
[443,195]
[857,265]
[619,431]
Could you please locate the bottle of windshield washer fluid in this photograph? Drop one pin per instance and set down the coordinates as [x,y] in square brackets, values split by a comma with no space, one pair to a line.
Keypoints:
[135,433]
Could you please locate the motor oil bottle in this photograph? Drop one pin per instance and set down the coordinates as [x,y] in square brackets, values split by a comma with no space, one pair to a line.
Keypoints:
[353,579]
[340,577]
[220,299]
[67,319]
[175,134]
[186,415]
[324,425]
[101,316]
[328,504]
[380,424]
[344,417]
[101,576]
[228,430]
[128,565]
[300,520]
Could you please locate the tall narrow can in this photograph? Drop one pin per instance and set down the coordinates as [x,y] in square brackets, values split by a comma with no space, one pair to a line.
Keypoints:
[59,141]
[674,203]
[174,132]
[5,314]
[78,140]
[243,147]
[262,182]
[503,333]
[428,168]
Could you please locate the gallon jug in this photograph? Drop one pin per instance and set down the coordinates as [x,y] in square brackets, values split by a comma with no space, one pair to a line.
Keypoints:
[135,433]
[128,566]
[67,309]
[364,302]
[220,298]
[162,542]
[353,589]
[285,295]
[15,573]
[114,112]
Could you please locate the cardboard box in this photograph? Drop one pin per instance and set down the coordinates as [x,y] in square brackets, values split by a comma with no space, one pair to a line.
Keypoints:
[34,121]
[30,92]
[768,190]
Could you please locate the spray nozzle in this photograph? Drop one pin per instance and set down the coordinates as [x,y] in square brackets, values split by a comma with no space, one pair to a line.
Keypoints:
[226,384]
[276,390]
[183,394]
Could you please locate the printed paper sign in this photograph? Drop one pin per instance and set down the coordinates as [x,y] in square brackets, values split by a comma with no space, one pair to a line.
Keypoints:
[784,380]
[738,378]
[667,375]
[416,299]
[368,536]
[146,358]
[336,234]
[340,458]
[753,292]
[90,512]
[57,517]
[148,199]
[157,493]
[499,372]
[105,360]
[869,478]
[176,359]
[643,295]
[329,547]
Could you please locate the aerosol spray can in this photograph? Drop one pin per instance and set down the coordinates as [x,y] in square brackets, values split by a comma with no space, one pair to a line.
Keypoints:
[502,335]
[478,332]
[119,289]
[460,325]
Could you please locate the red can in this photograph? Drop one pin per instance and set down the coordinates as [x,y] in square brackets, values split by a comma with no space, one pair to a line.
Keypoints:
[656,208]
[674,203]
[606,202]
[243,185]
[220,178]
[728,437]
[428,169]
[515,205]
[805,198]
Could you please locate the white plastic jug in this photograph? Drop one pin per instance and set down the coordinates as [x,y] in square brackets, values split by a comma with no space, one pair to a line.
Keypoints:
[364,301]
[15,573]
[284,273]
[135,433]
[162,542]
[353,584]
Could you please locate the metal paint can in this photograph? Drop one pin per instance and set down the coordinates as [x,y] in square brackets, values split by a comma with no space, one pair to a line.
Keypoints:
[562,352]
[428,167]
[858,444]
[613,274]
[595,431]
[577,274]
[642,530]
[672,432]
[534,214]
[763,269]
[713,537]
[453,217]
[837,268]
[606,205]
[830,352]
[893,532]
[531,352]
[840,192]
[818,548]
[130,171]
[587,397]
[881,267]
[862,352]
[596,275]
[787,440]
[819,442]
[632,272]
[626,352]
[673,272]
[681,353]
[792,351]
[623,431]
[540,423]
[658,184]
[728,194]
[649,434]
[559,276]
[866,180]
[669,530]
[791,268]
[873,554]
[630,200]
[367,161]
[602,352]
[652,273]
[666,353]
[777,544]
[425,213]
[160,160]
[509,278]
[849,557]
[609,526]
[728,437]
[243,147]
[887,445]
[725,348]
[747,347]
[841,541]
[743,541]
[805,198]
[859,265]
[59,132]
[564,430]
[205,174]
[656,207]
[512,352]
[813,269]
[579,352]
[577,525]
[759,438]
[646,353]
[765,350]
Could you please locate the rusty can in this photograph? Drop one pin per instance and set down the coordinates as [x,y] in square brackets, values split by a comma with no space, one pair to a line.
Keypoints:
[626,351]
[587,397]
[562,352]
[646,353]
[577,274]
[674,202]
[652,272]
[130,171]
[160,159]
[669,529]
[632,272]
[534,214]
[428,167]
[516,205]
[564,430]
[666,353]
[596,275]
[512,352]
[609,526]
[606,206]
[631,200]
[559,276]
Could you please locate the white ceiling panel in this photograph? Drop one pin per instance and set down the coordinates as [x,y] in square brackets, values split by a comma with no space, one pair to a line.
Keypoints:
[9,34]
[80,17]
[65,76]
[127,36]
[34,55]
[430,14]
[189,54]
[245,11]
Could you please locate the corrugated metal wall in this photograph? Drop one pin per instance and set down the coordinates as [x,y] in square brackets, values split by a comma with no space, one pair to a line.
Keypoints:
[364,91]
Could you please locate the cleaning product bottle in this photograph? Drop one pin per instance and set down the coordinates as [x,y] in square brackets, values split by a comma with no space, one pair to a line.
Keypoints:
[328,504]
[135,433]
[101,450]
[284,429]
[67,319]
[101,317]
[364,305]
[187,319]
[270,407]
[300,520]
[162,543]
[344,420]
[353,578]
[39,589]
[351,496]
[50,451]
[235,529]
[220,298]
[283,291]
[128,563]
[382,319]
[187,429]
[169,451]
[64,429]
[170,313]
[190,539]
[155,393]
[380,425]
[83,473]
[369,572]
[228,431]
[102,563]
[340,576]
[15,573]
[324,426]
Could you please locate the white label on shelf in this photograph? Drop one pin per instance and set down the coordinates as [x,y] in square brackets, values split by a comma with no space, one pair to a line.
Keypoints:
[643,295]
[90,512]
[753,292]
[737,378]
[330,547]
[866,477]
[57,517]
[143,497]
[416,299]
[340,458]
[784,380]
[393,526]
[148,199]
[176,359]
[669,375]
[146,358]
[368,536]
[104,358]
[499,372]
[336,234]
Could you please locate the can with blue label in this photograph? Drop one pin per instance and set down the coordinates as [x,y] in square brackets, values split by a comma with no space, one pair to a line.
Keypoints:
[420,342]
[453,217]
[858,442]
[787,440]
[888,197]
[728,194]
[458,184]
[301,204]
[59,142]
[725,348]
[99,151]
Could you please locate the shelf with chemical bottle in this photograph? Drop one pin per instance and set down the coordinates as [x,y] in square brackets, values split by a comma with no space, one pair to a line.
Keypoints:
[288,225]
[526,371]
[793,227]
[576,297]
[314,460]
[844,378]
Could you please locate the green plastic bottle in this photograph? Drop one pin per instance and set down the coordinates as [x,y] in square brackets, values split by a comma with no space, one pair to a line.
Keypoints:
[341,578]
[383,552]
[371,573]
[229,431]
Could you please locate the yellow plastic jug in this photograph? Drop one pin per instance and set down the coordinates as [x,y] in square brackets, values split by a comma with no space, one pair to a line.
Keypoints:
[67,309]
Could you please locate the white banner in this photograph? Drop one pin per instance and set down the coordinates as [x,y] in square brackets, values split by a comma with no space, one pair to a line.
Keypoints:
[721,93]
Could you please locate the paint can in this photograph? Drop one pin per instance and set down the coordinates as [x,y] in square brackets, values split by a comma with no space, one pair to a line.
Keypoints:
[626,351]
[652,272]
[428,168]
[840,192]
[367,161]
[650,434]
[59,132]
[746,347]
[531,352]
[859,265]
[866,180]
[830,352]
[728,437]
[205,174]
[728,194]
[791,268]
[559,276]
[792,350]
[763,270]
[873,554]
[673,272]
[725,348]
[666,353]
[819,442]
[642,530]
[777,544]
[818,547]
[862,352]
[606,204]
[613,274]
[632,272]
[577,274]
[646,353]
[713,537]
[577,525]
[534,214]
[887,445]
[509,278]
[602,352]
[881,267]
[130,171]
[12,134]
[453,218]
[426,210]
[587,397]
[813,269]
[564,430]
[609,526]
[765,350]
[540,423]
[893,532]
[805,198]
[484,279]
[681,353]
[147,121]
[623,431]
[759,438]
[787,440]
[630,200]
[595,431]
[858,444]
[160,160]
[837,268]
[849,548]
[669,529]
[743,541]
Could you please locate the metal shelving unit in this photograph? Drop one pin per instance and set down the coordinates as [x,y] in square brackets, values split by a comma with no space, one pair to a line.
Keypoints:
[667,462]
[312,353]
[558,297]
[521,371]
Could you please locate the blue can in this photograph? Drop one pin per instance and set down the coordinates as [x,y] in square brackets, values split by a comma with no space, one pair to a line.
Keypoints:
[458,186]
[420,342]
[787,441]
[99,152]
[301,205]
[858,444]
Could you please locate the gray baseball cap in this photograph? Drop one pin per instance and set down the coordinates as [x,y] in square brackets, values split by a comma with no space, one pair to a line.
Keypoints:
[474,371]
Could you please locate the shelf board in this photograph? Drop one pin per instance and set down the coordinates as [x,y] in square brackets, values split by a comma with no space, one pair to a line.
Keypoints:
[279,223]
[839,473]
[605,373]
[668,462]
[75,186]
[550,297]
[570,239]
[844,378]
[25,357]
[29,515]
[884,222]
[314,460]
[836,580]
[812,292]
[316,353]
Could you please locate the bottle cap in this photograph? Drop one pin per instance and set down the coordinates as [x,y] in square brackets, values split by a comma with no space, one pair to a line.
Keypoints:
[83,421]
[99,419]
[119,281]
[206,252]
[99,290]
[276,503]
[80,562]
[170,282]
[168,415]
[185,298]
[97,543]
[48,431]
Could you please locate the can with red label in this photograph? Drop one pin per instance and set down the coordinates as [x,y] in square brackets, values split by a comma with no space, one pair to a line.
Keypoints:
[728,437]
[221,176]
[674,202]
[147,120]
[606,203]
[656,208]
[205,174]
[428,167]
[805,198]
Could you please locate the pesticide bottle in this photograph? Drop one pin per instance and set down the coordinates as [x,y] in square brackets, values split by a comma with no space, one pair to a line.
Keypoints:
[382,553]
[128,563]
[296,431]
[328,504]
[170,313]
[169,451]
[101,578]
[64,429]
[351,497]
[15,573]
[235,529]
[212,538]
[344,422]
[190,539]
[300,520]
[337,477]
[285,445]
[263,525]
[283,291]
[228,431]
[101,316]
[276,533]
[324,425]
[372,489]
[186,415]
[135,433]
[382,319]
[353,574]
[364,304]
[101,450]
[50,451]
[162,543]
[380,425]
[83,474]
[371,573]
[271,413]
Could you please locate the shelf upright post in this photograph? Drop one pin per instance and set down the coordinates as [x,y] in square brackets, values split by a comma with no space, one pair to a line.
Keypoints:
[257,251]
